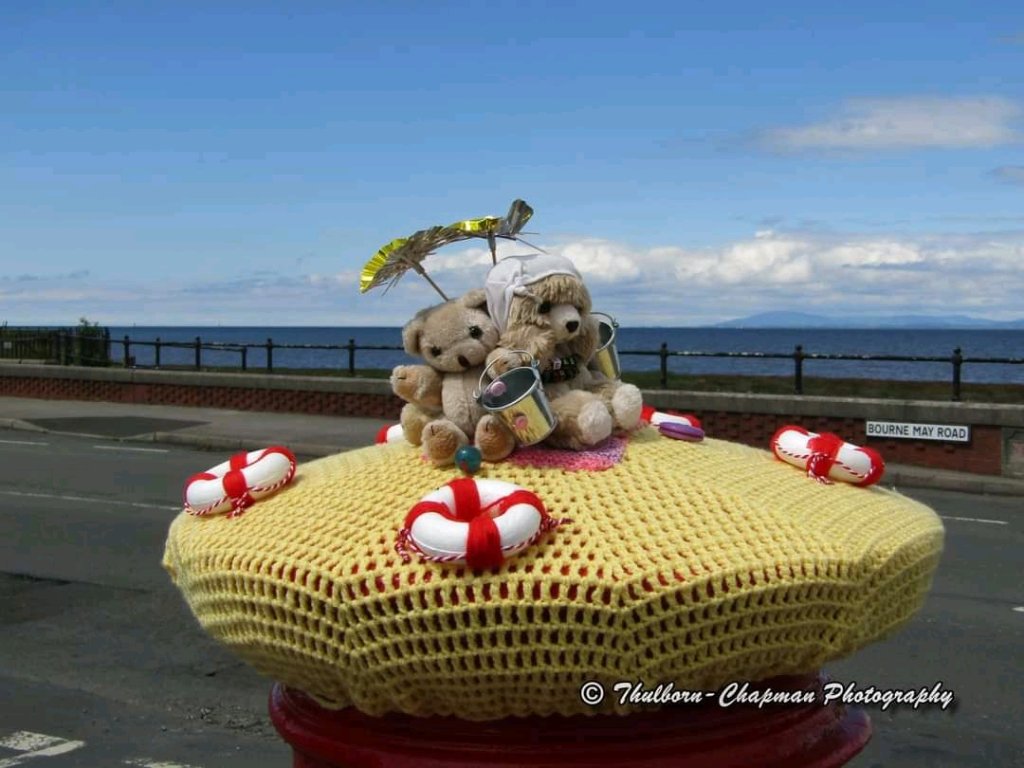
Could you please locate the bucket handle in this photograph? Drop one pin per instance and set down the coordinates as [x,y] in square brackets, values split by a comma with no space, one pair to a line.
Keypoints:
[611,320]
[533,364]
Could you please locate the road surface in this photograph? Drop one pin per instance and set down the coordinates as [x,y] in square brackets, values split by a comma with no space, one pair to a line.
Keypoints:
[101,664]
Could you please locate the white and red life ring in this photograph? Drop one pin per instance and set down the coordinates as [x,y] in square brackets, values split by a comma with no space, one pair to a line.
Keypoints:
[827,457]
[476,522]
[236,484]
[390,433]
[657,418]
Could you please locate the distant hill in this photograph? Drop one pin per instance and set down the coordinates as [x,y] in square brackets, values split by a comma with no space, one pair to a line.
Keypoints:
[807,320]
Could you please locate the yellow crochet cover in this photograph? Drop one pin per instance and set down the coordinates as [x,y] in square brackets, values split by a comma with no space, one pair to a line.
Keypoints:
[696,563]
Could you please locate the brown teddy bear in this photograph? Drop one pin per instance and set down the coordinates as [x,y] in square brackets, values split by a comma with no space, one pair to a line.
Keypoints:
[543,308]
[441,412]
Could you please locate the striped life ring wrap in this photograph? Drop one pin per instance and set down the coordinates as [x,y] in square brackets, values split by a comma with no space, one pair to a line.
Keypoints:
[390,433]
[827,457]
[236,484]
[476,522]
[657,418]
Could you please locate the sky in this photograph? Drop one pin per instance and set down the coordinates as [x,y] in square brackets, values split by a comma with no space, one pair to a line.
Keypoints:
[201,163]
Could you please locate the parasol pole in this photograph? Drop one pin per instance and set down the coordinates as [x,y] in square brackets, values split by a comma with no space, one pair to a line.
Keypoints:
[531,245]
[419,269]
[493,245]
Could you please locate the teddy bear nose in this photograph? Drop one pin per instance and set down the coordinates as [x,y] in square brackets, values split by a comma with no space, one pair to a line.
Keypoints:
[572,326]
[463,361]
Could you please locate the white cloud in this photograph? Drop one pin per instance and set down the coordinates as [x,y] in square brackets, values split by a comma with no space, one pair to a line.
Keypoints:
[881,252]
[25,277]
[472,259]
[340,280]
[827,273]
[601,259]
[909,123]
[1011,174]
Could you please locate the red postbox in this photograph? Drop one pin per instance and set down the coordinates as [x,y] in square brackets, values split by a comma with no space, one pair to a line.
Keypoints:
[807,735]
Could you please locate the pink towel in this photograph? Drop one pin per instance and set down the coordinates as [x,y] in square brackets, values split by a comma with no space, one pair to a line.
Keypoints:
[604,455]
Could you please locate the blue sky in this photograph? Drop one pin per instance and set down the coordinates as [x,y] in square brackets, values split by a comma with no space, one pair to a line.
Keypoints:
[237,163]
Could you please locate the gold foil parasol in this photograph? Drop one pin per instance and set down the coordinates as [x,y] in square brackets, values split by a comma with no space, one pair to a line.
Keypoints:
[493,227]
[404,253]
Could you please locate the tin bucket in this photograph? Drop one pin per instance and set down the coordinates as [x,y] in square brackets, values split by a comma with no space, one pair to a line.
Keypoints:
[606,359]
[517,398]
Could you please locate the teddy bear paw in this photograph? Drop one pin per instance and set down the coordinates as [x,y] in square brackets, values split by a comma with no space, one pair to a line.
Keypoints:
[627,404]
[594,423]
[404,382]
[493,439]
[441,439]
[504,360]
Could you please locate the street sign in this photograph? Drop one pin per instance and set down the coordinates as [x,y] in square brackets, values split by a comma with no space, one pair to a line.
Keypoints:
[946,433]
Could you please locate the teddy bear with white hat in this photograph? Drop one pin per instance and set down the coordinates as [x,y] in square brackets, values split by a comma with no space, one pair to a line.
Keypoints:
[542,309]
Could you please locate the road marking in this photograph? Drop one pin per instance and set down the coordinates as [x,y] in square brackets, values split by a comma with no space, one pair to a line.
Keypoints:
[974,520]
[88,500]
[22,442]
[26,741]
[129,448]
[148,762]
[32,745]
[1019,609]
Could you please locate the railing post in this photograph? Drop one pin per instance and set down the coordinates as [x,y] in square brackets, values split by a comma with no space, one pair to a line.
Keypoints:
[270,355]
[127,351]
[351,357]
[156,353]
[798,369]
[958,361]
[199,354]
[663,364]
[245,355]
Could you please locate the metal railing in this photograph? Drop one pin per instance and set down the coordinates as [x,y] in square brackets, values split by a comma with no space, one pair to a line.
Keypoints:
[198,345]
[798,356]
[62,346]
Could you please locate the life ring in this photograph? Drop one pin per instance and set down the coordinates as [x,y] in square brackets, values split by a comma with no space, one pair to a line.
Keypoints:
[476,522]
[657,418]
[827,457]
[390,433]
[236,484]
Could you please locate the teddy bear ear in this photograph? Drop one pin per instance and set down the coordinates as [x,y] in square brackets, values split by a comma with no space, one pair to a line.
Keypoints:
[475,299]
[411,334]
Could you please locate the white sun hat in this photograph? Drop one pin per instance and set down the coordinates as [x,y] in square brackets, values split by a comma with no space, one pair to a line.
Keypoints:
[511,276]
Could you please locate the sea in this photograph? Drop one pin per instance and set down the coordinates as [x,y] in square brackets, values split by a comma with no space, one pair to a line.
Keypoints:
[974,344]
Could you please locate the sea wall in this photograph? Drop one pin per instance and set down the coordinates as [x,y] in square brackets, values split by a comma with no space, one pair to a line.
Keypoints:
[995,445]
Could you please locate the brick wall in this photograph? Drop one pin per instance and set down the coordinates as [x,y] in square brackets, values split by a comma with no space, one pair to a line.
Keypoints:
[745,424]
[983,455]
[234,398]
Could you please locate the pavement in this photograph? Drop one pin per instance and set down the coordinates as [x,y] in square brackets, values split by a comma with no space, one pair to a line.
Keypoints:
[310,436]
